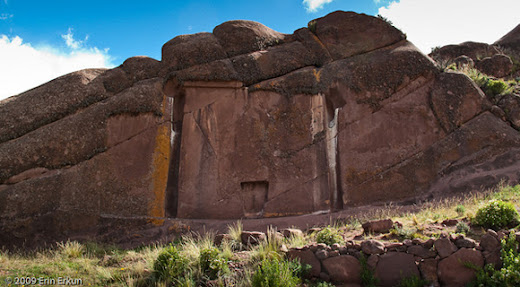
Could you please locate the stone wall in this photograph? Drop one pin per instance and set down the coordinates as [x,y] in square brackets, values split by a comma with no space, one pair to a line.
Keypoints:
[442,261]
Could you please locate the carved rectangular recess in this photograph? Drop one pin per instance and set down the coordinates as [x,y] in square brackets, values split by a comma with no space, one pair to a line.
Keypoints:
[254,197]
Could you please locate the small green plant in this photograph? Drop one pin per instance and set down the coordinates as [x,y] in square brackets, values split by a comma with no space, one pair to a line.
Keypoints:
[212,263]
[496,214]
[460,209]
[367,275]
[169,265]
[509,274]
[312,26]
[276,273]
[462,227]
[491,87]
[404,233]
[412,281]
[329,236]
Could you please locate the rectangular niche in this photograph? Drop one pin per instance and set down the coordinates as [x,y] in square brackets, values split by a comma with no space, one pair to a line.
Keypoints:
[254,197]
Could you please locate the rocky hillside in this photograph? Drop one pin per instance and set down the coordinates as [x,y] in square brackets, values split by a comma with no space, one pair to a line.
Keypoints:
[246,122]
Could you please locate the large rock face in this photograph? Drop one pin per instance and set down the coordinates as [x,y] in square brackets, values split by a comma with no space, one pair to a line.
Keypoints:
[245,122]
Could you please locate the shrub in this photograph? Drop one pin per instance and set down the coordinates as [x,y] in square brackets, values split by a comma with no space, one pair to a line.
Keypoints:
[276,273]
[329,236]
[169,264]
[462,227]
[496,87]
[496,214]
[509,274]
[212,264]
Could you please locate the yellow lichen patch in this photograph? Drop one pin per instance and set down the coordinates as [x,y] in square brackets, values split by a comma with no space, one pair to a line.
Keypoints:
[317,75]
[161,160]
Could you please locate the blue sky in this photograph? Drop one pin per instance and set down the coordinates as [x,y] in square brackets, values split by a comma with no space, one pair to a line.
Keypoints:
[40,40]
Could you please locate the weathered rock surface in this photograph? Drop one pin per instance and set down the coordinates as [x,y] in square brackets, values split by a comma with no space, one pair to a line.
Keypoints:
[378,226]
[306,257]
[453,270]
[511,40]
[394,266]
[343,269]
[498,66]
[246,122]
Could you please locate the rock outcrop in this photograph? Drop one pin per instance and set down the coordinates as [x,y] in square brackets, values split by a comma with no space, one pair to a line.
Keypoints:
[246,122]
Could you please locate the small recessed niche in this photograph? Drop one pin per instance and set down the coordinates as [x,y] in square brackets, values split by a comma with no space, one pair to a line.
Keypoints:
[254,197]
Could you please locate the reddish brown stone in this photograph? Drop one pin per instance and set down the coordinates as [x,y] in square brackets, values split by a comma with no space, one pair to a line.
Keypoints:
[252,237]
[372,247]
[473,50]
[394,266]
[347,33]
[306,257]
[241,37]
[453,270]
[189,50]
[428,268]
[343,269]
[378,226]
[497,66]
[444,247]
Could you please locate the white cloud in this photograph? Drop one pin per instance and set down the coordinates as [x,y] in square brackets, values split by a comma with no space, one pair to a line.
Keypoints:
[431,23]
[25,66]
[315,5]
[5,16]
[71,42]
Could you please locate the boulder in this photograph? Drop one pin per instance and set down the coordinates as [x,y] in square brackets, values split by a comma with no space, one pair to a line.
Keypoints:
[493,258]
[141,68]
[444,247]
[510,104]
[55,100]
[189,50]
[306,256]
[291,232]
[420,251]
[394,266]
[497,66]
[252,237]
[344,269]
[455,100]
[464,242]
[473,50]
[378,226]
[428,269]
[372,247]
[453,270]
[346,34]
[464,62]
[243,37]
[488,242]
